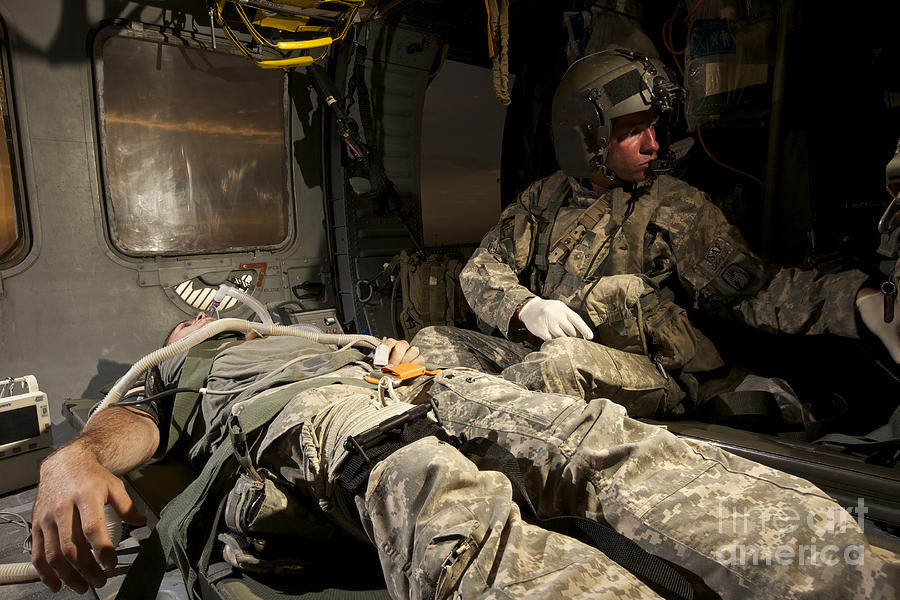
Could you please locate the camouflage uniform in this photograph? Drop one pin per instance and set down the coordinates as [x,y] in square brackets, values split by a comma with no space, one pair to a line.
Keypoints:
[443,529]
[665,235]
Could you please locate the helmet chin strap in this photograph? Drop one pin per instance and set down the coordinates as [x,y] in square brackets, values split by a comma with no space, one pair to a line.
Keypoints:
[662,164]
[607,172]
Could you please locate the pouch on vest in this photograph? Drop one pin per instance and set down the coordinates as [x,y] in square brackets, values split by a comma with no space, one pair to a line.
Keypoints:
[516,240]
[430,293]
[673,341]
[259,507]
[610,305]
[629,313]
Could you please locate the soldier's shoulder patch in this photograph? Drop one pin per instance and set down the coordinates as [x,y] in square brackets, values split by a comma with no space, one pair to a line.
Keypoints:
[717,253]
[737,277]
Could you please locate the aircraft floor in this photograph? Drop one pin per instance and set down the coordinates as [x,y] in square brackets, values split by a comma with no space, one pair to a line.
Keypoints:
[13,536]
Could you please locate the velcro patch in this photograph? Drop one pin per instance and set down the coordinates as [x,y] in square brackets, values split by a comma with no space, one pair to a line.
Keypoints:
[737,277]
[624,86]
[718,253]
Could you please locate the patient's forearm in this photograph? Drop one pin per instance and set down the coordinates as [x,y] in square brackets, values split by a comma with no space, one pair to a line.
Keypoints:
[76,481]
[120,438]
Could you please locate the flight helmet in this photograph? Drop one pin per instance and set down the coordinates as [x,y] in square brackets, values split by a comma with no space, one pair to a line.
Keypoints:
[595,90]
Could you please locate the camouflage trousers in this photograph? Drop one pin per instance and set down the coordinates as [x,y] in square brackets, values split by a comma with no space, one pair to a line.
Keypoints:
[444,529]
[566,365]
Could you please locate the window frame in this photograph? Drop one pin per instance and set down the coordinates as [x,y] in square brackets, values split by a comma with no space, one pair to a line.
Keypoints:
[196,41]
[22,248]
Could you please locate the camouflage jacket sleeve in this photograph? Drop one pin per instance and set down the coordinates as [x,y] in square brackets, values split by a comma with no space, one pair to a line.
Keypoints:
[490,280]
[722,275]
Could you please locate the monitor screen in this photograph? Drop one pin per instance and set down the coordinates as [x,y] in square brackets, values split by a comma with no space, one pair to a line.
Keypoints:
[18,424]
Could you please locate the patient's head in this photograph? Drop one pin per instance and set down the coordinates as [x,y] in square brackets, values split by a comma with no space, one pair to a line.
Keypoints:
[187,327]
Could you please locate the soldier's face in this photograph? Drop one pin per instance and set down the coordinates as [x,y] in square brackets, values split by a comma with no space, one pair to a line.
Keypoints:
[633,146]
[185,328]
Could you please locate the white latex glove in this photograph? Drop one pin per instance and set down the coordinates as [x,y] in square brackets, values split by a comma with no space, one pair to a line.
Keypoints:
[549,319]
[871,309]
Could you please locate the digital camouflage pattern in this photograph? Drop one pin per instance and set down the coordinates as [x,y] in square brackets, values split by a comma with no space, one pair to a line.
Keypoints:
[666,236]
[455,347]
[571,366]
[686,240]
[746,529]
[446,530]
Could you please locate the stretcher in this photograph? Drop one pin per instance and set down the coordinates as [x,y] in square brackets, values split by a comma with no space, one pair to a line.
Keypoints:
[354,572]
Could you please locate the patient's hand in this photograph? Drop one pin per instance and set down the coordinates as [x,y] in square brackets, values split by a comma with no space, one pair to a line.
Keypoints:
[402,352]
[68,520]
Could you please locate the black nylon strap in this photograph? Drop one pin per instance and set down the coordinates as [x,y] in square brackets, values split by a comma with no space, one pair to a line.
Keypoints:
[146,572]
[355,475]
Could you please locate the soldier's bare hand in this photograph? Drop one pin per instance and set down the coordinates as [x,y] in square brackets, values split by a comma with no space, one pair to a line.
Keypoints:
[402,352]
[68,520]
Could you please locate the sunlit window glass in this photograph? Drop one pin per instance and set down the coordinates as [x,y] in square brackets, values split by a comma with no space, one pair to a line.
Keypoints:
[194,149]
[462,133]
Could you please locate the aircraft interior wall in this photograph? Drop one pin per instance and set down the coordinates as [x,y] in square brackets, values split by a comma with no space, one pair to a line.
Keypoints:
[83,300]
[78,311]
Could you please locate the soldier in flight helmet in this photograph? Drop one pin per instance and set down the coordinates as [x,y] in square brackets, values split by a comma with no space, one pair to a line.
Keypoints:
[597,89]
[590,273]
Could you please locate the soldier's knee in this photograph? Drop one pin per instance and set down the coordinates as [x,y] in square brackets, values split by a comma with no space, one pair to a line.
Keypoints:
[568,346]
[432,331]
[576,353]
[414,460]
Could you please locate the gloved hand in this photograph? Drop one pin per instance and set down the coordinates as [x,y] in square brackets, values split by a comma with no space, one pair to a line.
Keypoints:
[550,319]
[870,304]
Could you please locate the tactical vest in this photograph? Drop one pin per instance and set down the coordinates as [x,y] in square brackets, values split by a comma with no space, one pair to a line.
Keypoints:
[606,285]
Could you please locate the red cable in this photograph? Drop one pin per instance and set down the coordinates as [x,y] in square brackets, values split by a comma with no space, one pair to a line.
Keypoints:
[721,164]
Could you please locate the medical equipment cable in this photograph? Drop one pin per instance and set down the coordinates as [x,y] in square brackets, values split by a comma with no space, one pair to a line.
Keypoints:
[268,375]
[126,401]
[25,572]
[214,328]
[21,522]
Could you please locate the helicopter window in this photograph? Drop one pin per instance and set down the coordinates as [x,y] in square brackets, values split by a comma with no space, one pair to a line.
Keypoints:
[193,148]
[462,132]
[14,234]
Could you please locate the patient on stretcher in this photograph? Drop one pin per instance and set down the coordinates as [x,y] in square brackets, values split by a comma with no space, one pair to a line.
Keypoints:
[441,526]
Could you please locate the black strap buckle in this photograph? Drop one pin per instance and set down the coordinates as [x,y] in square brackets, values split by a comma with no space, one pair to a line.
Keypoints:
[375,435]
[240,447]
